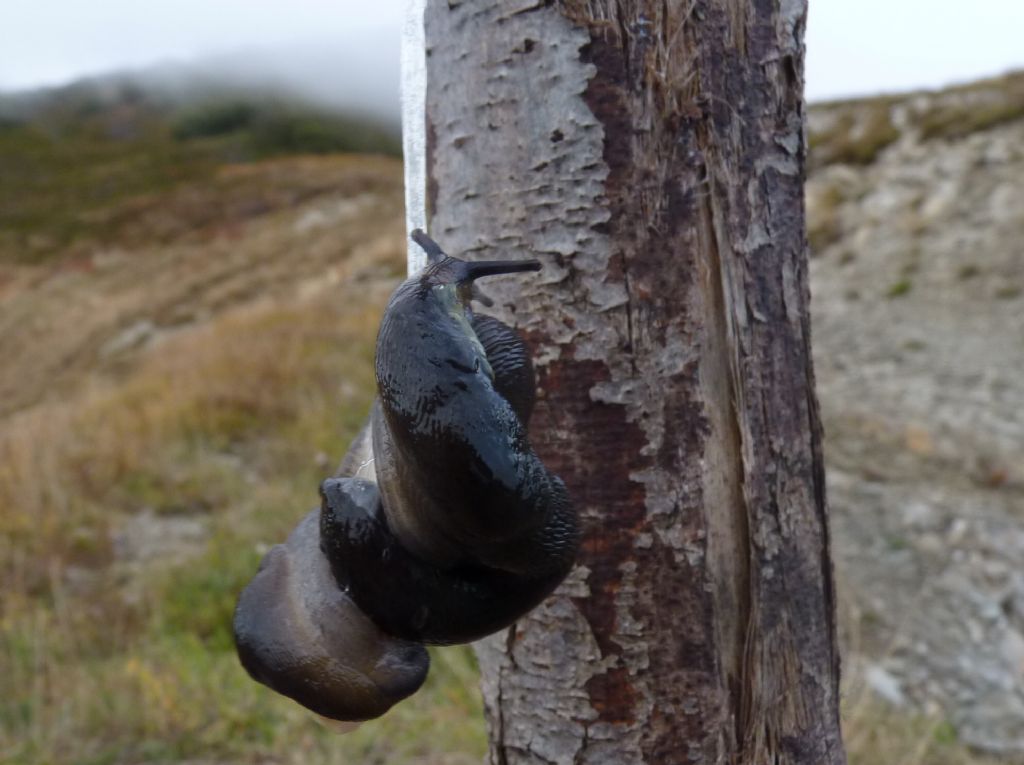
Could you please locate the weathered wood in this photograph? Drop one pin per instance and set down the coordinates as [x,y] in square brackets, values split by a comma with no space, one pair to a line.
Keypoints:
[652,155]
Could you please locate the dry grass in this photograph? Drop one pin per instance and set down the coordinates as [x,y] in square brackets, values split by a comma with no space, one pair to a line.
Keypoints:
[877,733]
[824,225]
[105,658]
[138,491]
[858,133]
[874,730]
[183,257]
[973,108]
[247,389]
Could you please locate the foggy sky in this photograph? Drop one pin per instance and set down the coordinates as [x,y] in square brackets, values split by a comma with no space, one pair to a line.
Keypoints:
[346,51]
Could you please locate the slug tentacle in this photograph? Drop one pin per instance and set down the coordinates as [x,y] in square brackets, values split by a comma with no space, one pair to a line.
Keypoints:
[461,530]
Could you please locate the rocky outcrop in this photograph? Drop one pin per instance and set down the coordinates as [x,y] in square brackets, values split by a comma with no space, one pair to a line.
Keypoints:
[916,210]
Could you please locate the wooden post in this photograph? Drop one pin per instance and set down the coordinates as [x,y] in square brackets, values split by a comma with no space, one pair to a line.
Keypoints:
[651,153]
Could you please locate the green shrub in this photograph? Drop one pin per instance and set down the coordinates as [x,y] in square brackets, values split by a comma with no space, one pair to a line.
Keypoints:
[857,136]
[899,289]
[213,120]
[295,132]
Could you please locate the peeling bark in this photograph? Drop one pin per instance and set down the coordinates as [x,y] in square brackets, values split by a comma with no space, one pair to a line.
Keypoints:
[652,155]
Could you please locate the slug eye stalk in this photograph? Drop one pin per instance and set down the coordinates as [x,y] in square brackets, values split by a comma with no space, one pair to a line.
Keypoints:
[434,252]
[468,271]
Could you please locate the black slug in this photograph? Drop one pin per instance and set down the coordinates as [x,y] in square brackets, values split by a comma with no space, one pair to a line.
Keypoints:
[462,531]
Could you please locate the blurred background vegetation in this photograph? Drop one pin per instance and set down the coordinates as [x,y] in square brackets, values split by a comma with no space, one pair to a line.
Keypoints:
[189,294]
[72,157]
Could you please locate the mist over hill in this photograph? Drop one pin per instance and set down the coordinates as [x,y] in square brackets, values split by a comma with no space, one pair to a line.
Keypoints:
[358,78]
[75,159]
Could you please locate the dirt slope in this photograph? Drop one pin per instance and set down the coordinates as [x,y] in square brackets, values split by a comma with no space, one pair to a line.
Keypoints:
[918,306]
[253,232]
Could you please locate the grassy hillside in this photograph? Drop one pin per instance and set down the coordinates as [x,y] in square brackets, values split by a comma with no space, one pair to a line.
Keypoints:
[134,512]
[77,160]
[190,296]
[188,300]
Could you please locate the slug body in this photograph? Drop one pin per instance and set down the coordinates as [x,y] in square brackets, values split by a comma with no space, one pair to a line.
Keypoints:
[462,531]
[299,633]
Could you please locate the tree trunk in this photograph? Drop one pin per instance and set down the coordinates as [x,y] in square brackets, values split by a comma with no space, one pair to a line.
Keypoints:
[652,155]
